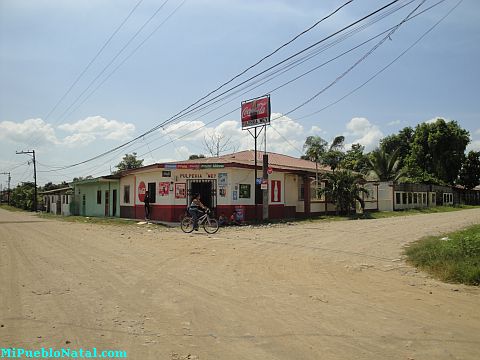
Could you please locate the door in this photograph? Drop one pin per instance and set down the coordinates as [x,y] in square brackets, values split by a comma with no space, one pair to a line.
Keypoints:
[84,205]
[107,203]
[207,190]
[114,203]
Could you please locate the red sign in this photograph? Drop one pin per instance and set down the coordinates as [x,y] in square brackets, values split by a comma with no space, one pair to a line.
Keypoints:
[141,191]
[269,170]
[256,112]
[276,192]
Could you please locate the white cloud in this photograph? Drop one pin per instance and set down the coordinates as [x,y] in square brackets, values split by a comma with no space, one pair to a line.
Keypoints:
[363,132]
[316,130]
[473,146]
[30,131]
[193,133]
[477,132]
[99,127]
[394,122]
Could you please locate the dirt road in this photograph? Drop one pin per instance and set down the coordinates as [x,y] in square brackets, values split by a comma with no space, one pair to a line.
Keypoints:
[319,290]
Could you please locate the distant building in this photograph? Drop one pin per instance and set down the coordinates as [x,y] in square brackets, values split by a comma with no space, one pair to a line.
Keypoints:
[96,197]
[58,201]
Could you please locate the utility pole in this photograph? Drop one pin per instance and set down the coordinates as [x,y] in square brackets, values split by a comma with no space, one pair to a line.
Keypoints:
[8,191]
[34,175]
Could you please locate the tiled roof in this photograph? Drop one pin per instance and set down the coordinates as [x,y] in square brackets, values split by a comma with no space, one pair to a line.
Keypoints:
[247,157]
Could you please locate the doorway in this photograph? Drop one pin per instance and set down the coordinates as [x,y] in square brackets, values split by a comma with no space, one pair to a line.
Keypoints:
[207,190]
[107,202]
[114,203]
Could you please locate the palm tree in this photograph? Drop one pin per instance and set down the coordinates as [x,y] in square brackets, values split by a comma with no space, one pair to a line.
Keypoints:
[384,166]
[315,147]
[344,187]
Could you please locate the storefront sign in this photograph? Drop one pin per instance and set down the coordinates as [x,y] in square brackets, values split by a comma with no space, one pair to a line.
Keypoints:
[163,188]
[256,112]
[167,173]
[264,185]
[170,166]
[276,192]
[180,191]
[222,179]
[141,191]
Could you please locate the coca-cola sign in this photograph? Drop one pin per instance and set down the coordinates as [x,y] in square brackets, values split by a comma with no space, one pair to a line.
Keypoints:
[256,112]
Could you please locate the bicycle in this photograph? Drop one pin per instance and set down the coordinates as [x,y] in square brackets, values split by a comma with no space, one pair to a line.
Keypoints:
[210,225]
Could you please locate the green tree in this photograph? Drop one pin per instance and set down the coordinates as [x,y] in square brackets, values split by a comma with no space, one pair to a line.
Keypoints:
[401,142]
[355,160]
[128,162]
[469,175]
[437,151]
[344,188]
[383,166]
[314,147]
[22,196]
[195,157]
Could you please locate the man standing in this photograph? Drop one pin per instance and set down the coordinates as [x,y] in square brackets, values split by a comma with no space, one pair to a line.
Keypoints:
[147,205]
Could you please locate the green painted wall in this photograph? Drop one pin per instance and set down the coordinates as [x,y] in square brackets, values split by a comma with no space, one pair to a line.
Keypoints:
[91,207]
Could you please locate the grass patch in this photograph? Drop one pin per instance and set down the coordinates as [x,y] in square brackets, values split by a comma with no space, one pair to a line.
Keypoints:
[454,257]
[432,210]
[10,208]
[92,220]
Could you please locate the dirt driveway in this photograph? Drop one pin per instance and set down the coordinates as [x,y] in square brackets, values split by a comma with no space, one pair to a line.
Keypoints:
[318,290]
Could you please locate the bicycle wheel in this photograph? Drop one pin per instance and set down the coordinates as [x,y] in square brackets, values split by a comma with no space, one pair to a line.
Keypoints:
[210,225]
[187,224]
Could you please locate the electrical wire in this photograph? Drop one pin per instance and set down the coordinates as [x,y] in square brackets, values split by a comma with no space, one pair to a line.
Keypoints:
[171,119]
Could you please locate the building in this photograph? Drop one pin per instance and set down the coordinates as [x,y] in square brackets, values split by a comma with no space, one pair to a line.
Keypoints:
[96,197]
[58,201]
[226,183]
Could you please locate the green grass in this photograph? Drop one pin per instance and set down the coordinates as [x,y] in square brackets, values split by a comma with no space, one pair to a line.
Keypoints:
[432,210]
[10,208]
[93,220]
[454,259]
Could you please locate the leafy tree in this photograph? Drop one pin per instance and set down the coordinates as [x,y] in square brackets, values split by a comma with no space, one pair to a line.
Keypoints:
[344,188]
[128,162]
[51,186]
[437,151]
[314,147]
[470,172]
[401,142]
[355,160]
[195,157]
[80,178]
[22,196]
[384,166]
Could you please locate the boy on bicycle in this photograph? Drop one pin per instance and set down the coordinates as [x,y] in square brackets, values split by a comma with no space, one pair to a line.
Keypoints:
[194,210]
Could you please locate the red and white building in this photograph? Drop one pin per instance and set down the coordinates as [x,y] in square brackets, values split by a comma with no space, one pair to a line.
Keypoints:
[226,183]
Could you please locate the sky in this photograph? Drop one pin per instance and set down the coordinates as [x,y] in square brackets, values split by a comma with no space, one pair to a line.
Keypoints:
[81,78]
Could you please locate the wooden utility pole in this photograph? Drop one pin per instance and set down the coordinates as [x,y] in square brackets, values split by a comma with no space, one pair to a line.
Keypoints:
[34,175]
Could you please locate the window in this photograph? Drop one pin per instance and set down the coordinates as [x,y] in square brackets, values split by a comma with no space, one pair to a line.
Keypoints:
[409,198]
[404,198]
[126,194]
[244,191]
[301,189]
[66,199]
[152,192]
[99,196]
[398,198]
[434,199]
[424,198]
[314,188]
[415,198]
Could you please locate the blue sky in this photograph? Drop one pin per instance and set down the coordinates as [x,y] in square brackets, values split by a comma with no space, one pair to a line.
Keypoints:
[198,45]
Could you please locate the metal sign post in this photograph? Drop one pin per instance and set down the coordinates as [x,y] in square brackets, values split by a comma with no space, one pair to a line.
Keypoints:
[256,113]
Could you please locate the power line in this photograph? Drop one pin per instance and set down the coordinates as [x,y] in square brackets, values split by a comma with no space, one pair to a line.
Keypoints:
[114,58]
[385,67]
[93,59]
[171,119]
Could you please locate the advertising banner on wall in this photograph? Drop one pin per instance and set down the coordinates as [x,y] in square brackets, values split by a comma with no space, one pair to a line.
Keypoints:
[256,112]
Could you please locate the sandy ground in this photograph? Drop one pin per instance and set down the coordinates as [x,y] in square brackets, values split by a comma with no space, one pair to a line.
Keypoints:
[316,290]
